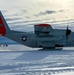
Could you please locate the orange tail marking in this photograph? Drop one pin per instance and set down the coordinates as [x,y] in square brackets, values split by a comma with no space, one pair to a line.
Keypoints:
[2,28]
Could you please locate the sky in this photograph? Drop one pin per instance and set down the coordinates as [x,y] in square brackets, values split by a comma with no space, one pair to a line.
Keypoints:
[29,12]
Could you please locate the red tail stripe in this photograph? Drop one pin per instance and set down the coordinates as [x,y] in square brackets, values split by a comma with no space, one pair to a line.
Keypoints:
[2,28]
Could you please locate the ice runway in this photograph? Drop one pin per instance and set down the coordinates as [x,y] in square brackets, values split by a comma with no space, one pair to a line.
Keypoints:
[37,62]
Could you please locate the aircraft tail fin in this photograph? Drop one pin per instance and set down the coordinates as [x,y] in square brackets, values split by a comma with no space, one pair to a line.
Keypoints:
[3,26]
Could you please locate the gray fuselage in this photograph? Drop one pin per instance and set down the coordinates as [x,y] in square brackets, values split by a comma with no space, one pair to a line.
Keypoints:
[55,38]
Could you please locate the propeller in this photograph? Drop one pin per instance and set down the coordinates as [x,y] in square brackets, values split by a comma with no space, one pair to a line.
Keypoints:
[68,31]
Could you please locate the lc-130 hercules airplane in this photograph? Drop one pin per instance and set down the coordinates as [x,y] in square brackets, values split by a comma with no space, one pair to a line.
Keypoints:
[44,36]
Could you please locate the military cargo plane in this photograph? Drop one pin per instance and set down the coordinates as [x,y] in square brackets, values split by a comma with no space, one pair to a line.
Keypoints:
[44,36]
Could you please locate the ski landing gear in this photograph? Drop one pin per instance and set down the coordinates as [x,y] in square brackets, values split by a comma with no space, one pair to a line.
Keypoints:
[51,49]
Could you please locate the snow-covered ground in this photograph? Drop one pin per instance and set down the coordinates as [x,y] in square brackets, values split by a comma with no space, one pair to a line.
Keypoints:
[33,62]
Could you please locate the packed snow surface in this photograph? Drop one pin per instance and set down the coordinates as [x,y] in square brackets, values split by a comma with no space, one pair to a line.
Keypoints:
[33,62]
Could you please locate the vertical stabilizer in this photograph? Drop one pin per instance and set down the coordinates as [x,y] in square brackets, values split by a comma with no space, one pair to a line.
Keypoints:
[3,25]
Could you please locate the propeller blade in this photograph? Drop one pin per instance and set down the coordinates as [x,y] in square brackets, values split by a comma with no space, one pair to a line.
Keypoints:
[68,31]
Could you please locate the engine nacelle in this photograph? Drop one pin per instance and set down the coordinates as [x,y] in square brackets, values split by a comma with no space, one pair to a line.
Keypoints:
[42,29]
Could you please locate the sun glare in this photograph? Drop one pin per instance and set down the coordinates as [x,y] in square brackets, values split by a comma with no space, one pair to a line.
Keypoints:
[62,0]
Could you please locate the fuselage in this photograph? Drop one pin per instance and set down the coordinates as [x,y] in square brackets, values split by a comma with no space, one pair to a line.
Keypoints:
[56,37]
